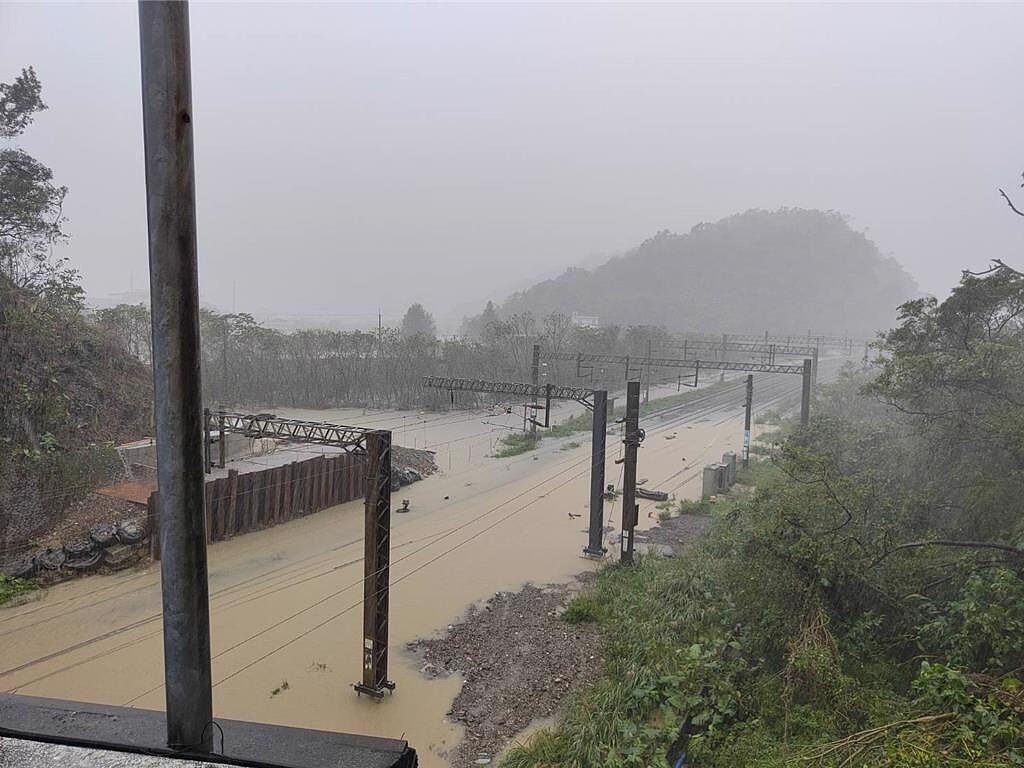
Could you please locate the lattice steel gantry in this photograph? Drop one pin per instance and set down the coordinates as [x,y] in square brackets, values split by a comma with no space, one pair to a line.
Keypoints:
[591,399]
[375,445]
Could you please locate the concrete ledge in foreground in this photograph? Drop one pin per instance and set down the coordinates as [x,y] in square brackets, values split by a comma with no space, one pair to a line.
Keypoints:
[143,732]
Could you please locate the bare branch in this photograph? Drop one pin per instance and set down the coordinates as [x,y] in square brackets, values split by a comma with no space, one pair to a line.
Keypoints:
[950,543]
[1009,202]
[998,263]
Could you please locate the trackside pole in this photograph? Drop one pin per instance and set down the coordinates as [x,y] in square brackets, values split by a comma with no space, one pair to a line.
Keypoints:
[746,420]
[174,299]
[805,394]
[595,538]
[376,565]
[207,442]
[632,443]
[535,380]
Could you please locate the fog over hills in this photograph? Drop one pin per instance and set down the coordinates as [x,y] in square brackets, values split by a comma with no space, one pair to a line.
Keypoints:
[789,270]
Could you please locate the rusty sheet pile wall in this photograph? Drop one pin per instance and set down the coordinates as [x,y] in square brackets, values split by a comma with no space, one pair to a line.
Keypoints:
[242,503]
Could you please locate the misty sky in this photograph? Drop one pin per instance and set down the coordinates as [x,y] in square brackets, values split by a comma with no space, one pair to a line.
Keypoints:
[351,157]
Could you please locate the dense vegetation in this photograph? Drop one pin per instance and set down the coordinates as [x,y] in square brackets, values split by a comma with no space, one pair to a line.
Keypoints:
[719,276]
[863,603]
[67,389]
[245,363]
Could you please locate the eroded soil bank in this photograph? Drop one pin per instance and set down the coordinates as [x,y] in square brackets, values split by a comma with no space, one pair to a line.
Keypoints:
[519,659]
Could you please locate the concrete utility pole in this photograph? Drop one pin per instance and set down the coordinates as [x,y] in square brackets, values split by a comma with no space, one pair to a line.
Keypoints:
[746,420]
[814,366]
[376,565]
[174,299]
[599,436]
[805,394]
[632,443]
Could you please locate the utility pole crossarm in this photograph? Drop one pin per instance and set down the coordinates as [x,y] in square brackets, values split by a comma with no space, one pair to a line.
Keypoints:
[557,392]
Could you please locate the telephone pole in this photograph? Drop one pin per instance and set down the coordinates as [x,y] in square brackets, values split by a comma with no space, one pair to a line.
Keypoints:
[632,443]
[746,420]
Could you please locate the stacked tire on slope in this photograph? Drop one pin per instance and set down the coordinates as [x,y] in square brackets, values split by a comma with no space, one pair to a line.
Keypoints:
[107,543]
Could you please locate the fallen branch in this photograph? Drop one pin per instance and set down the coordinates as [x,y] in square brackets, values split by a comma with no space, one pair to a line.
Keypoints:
[950,543]
[865,738]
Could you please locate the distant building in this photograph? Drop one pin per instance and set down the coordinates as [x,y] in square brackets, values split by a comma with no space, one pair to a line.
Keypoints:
[585,321]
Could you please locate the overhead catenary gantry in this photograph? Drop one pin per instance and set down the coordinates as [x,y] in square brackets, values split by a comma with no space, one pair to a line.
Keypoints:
[375,445]
[646,363]
[267,425]
[821,341]
[591,399]
[767,350]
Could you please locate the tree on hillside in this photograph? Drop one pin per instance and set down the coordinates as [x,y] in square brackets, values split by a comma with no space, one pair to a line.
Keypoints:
[955,367]
[484,326]
[129,324]
[31,204]
[418,322]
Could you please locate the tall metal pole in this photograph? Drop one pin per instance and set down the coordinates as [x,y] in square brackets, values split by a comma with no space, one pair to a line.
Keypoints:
[805,394]
[207,443]
[599,437]
[632,442]
[174,299]
[647,378]
[376,565]
[814,365]
[535,380]
[746,420]
[221,442]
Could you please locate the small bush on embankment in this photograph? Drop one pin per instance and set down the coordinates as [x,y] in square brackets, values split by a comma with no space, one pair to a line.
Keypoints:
[13,591]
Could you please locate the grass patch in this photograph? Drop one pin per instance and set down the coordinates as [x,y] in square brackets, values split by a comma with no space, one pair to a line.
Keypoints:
[690,507]
[770,416]
[756,473]
[571,445]
[583,609]
[516,443]
[15,590]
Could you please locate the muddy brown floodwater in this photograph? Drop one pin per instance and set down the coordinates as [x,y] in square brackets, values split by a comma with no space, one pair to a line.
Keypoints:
[286,601]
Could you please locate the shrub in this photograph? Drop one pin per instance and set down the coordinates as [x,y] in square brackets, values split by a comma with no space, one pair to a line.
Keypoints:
[516,443]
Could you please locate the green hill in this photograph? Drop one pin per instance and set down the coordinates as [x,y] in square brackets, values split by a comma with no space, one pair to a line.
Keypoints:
[790,271]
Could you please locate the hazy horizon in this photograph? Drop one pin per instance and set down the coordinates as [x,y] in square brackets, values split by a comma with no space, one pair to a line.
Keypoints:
[352,158]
